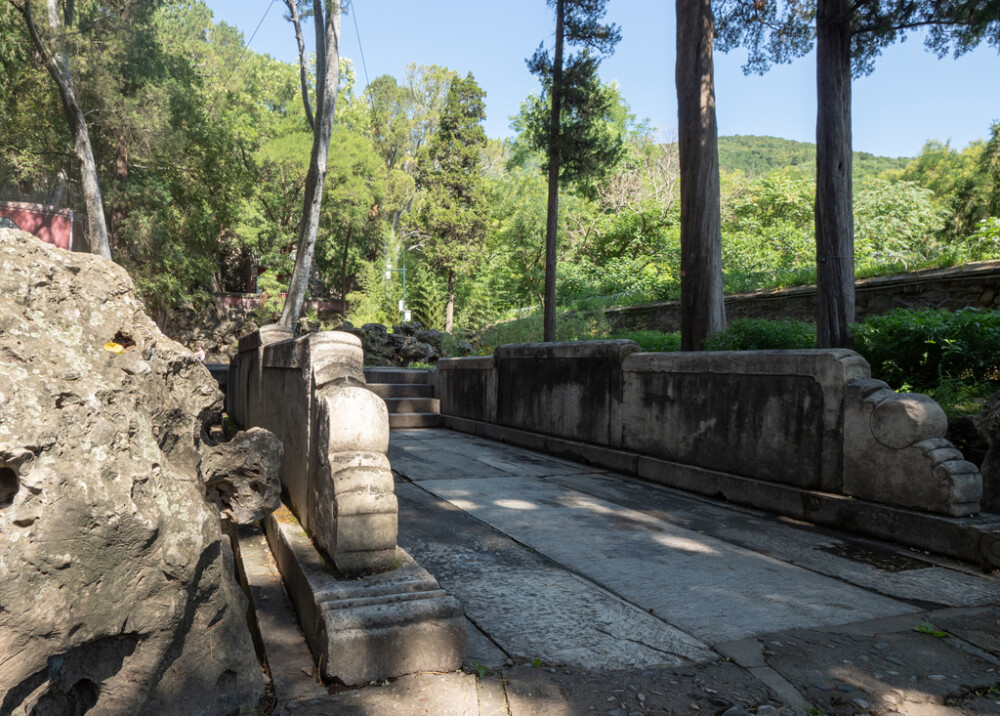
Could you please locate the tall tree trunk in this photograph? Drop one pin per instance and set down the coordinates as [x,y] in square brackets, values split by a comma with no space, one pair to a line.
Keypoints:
[119,208]
[343,268]
[327,77]
[834,215]
[552,212]
[57,64]
[449,309]
[293,11]
[703,309]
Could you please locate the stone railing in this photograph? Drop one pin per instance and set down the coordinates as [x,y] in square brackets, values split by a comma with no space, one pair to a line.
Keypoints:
[976,285]
[311,393]
[812,420]
[374,613]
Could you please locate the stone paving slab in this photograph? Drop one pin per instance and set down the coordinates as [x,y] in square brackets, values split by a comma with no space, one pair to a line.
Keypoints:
[527,553]
[897,572]
[530,607]
[910,666]
[709,588]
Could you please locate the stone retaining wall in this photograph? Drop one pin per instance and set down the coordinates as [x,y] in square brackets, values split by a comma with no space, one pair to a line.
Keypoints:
[976,285]
[809,419]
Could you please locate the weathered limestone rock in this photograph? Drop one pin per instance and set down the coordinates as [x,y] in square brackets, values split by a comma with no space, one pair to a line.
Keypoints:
[988,425]
[117,592]
[241,476]
[895,452]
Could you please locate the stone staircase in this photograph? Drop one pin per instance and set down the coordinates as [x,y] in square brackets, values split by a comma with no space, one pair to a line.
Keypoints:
[409,395]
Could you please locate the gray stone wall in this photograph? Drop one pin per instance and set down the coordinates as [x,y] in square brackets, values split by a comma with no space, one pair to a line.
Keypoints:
[571,390]
[809,419]
[976,285]
[772,415]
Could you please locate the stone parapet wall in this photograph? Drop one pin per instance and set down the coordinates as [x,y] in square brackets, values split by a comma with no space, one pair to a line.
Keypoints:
[973,285]
[812,419]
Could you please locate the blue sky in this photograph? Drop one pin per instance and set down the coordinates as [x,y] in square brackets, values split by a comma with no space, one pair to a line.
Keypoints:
[911,97]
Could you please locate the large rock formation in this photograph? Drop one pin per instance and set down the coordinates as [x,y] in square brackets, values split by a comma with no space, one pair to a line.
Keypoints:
[117,593]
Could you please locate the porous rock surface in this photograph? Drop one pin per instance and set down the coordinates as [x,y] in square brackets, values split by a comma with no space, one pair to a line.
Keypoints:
[241,476]
[117,593]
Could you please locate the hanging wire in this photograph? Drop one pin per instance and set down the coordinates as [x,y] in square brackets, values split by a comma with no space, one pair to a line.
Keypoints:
[246,46]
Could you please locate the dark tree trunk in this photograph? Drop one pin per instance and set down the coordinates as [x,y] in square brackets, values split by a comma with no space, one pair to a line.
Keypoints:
[552,212]
[327,77]
[702,307]
[834,215]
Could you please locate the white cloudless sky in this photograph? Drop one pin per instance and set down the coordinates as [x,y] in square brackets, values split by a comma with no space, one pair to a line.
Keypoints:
[911,97]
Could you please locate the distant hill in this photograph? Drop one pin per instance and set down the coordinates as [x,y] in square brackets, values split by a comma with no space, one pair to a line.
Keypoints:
[759,155]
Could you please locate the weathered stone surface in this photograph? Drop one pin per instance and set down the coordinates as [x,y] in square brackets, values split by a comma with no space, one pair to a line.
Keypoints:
[241,476]
[116,585]
[770,415]
[467,387]
[895,452]
[375,627]
[572,390]
[988,425]
[311,393]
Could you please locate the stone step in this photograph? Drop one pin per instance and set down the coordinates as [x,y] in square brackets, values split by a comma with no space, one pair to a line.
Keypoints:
[402,390]
[413,405]
[397,375]
[414,420]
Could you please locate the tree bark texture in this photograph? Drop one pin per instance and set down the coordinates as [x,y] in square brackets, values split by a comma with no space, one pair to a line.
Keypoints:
[702,306]
[57,64]
[327,78]
[449,311]
[834,215]
[293,11]
[552,211]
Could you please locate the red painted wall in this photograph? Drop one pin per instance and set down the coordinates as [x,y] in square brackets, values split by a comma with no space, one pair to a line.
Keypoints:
[53,226]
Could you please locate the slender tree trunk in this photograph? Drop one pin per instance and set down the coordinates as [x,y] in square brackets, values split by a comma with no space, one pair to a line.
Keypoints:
[119,209]
[834,215]
[449,309]
[552,212]
[293,11]
[343,268]
[57,65]
[327,77]
[702,306]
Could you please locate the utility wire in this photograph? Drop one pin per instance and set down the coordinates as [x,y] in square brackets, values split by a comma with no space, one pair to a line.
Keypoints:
[364,67]
[246,46]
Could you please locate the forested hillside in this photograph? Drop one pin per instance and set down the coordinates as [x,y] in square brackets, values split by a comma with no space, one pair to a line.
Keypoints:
[759,155]
[201,149]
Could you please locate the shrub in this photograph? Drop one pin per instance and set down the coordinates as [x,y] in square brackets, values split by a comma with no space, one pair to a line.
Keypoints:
[758,334]
[918,348]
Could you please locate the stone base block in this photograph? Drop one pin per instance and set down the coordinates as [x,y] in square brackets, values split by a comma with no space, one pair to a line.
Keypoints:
[376,627]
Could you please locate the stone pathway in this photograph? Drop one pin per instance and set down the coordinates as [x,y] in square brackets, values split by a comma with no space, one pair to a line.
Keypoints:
[590,592]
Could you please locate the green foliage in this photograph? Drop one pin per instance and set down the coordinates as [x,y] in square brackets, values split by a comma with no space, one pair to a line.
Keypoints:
[571,326]
[753,155]
[589,137]
[920,348]
[896,222]
[778,32]
[374,302]
[757,334]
